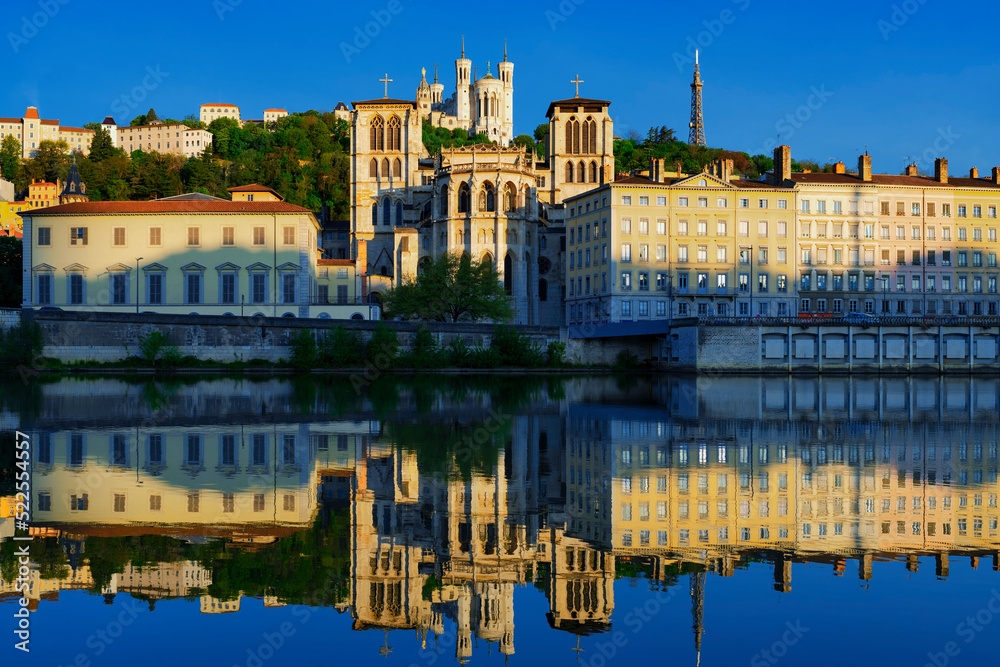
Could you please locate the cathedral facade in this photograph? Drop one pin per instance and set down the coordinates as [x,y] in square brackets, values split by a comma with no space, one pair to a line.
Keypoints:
[488,201]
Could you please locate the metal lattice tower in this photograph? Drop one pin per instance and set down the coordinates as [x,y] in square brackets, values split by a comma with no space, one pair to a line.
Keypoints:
[697,609]
[696,136]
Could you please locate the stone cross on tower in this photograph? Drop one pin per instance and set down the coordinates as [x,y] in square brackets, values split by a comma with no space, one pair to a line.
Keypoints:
[578,81]
[386,81]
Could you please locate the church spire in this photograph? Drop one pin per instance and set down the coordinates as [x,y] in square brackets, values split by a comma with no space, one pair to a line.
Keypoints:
[463,47]
[435,72]
[505,49]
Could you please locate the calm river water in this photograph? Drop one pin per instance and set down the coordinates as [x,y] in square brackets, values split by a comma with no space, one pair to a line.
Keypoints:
[532,520]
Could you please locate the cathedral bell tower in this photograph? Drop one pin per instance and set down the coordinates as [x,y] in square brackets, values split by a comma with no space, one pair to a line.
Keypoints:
[463,89]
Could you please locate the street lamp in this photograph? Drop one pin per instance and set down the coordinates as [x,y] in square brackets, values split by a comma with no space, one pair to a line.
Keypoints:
[137,259]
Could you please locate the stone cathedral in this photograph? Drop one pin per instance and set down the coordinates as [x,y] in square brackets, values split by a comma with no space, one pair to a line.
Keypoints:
[492,201]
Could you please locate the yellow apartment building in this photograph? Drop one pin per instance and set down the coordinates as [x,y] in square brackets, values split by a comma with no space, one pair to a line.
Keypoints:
[671,244]
[168,139]
[210,112]
[272,115]
[42,194]
[31,130]
[10,215]
[185,254]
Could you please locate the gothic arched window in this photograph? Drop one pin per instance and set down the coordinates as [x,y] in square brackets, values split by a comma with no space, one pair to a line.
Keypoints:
[569,172]
[444,200]
[385,167]
[397,168]
[582,173]
[394,134]
[593,172]
[386,211]
[590,130]
[377,134]
[399,214]
[373,168]
[464,198]
[374,215]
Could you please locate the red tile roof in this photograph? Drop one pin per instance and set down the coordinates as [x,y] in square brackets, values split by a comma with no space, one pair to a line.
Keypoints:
[336,262]
[31,112]
[69,128]
[47,121]
[10,120]
[221,105]
[253,187]
[892,179]
[281,110]
[150,207]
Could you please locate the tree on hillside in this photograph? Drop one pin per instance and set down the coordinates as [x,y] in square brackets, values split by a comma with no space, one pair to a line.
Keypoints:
[525,141]
[541,139]
[151,116]
[101,147]
[10,157]
[49,163]
[452,288]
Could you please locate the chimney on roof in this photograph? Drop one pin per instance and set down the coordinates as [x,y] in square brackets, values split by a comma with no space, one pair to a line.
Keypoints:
[678,167]
[656,169]
[996,175]
[973,173]
[782,164]
[911,169]
[865,167]
[941,170]
[839,168]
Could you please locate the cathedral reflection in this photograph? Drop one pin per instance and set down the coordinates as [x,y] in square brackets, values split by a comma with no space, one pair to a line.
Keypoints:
[663,480]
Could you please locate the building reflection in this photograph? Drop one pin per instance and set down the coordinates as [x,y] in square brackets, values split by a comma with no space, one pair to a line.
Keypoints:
[656,479]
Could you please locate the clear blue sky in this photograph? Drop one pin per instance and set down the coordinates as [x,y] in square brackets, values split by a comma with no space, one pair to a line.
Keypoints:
[896,76]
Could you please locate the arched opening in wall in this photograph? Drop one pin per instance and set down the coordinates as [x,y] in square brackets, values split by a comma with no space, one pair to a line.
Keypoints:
[386,211]
[397,168]
[582,171]
[569,172]
[444,200]
[510,197]
[423,264]
[593,172]
[394,133]
[487,198]
[399,214]
[374,214]
[543,289]
[508,274]
[573,136]
[385,167]
[376,134]
[383,271]
[375,298]
[487,259]
[481,236]
[589,136]
[464,198]
[373,168]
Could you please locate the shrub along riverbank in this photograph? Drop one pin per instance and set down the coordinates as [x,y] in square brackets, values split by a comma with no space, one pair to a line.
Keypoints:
[335,350]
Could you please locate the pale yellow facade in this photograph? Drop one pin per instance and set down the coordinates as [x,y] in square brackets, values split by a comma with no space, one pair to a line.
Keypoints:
[210,112]
[31,130]
[187,255]
[168,139]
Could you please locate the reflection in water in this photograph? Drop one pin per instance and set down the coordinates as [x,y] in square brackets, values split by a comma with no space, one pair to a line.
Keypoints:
[435,500]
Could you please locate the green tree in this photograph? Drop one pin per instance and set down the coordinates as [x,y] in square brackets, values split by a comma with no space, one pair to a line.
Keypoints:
[525,141]
[452,288]
[10,157]
[49,162]
[101,147]
[138,120]
[151,116]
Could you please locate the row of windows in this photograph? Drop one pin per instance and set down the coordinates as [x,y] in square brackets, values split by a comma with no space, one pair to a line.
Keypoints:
[79,236]
[837,231]
[192,285]
[80,502]
[193,451]
[866,281]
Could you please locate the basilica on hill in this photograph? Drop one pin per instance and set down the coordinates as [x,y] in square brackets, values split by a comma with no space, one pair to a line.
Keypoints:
[493,201]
